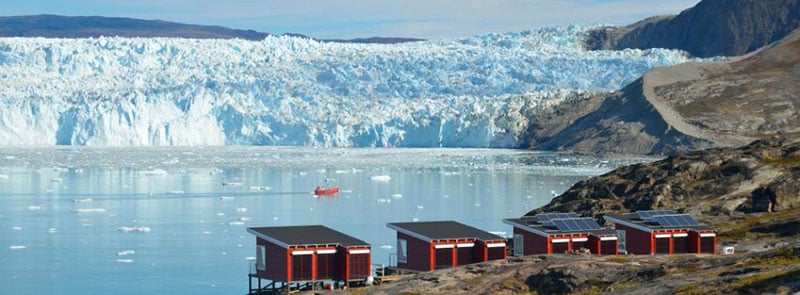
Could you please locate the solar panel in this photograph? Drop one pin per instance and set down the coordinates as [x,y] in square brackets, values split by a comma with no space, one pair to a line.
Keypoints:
[675,220]
[576,224]
[545,218]
[649,214]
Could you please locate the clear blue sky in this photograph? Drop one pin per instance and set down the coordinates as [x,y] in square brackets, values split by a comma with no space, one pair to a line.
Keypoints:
[430,19]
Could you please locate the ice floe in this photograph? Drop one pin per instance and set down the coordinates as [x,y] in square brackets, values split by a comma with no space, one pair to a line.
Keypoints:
[381,178]
[89,210]
[154,172]
[141,229]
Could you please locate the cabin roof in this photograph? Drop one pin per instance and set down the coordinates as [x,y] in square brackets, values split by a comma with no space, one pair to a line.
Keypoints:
[530,223]
[305,235]
[639,220]
[442,230]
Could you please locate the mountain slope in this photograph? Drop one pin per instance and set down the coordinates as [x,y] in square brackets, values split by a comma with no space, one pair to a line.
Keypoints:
[56,26]
[711,28]
[687,106]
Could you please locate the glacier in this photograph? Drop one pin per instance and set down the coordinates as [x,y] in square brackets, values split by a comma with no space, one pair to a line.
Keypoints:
[471,92]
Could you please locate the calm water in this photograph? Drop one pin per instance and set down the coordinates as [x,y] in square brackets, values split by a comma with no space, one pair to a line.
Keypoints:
[173,220]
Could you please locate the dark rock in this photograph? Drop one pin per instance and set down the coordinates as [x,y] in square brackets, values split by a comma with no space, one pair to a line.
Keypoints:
[702,181]
[553,281]
[711,28]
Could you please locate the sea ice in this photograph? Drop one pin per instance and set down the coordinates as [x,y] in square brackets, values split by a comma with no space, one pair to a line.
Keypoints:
[125,260]
[126,252]
[34,208]
[83,200]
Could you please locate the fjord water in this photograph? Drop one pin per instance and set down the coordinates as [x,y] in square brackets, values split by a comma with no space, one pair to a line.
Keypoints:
[77,220]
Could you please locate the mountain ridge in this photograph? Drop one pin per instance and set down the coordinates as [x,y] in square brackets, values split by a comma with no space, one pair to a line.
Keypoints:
[710,28]
[694,105]
[60,26]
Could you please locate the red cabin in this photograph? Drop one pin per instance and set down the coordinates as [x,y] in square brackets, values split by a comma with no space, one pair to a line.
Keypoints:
[426,246]
[554,233]
[664,232]
[308,254]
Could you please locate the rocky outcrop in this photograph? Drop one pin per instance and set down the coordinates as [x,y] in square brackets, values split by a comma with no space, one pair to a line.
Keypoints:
[711,28]
[761,177]
[684,107]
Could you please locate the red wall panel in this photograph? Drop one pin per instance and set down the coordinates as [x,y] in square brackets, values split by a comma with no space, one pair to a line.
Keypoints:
[533,243]
[638,242]
[419,254]
[276,268]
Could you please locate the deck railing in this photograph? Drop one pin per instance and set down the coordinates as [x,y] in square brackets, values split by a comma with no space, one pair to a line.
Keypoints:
[252,265]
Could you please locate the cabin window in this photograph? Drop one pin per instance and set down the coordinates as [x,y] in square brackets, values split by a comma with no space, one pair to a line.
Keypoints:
[261,257]
[402,251]
[622,241]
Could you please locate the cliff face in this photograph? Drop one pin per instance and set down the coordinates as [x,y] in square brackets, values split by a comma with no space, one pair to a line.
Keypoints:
[761,177]
[711,28]
[684,107]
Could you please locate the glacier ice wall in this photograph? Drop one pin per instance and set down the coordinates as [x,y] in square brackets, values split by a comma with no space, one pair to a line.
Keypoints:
[472,92]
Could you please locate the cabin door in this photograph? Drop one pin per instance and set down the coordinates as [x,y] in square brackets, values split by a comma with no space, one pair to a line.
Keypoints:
[519,245]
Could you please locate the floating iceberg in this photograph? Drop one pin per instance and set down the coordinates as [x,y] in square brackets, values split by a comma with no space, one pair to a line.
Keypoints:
[17,247]
[154,172]
[89,210]
[126,252]
[141,229]
[380,178]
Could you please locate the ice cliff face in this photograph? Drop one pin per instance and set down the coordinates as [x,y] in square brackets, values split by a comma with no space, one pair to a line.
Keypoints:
[474,92]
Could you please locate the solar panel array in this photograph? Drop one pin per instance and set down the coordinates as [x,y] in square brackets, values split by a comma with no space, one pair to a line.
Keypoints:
[546,218]
[576,224]
[649,214]
[675,220]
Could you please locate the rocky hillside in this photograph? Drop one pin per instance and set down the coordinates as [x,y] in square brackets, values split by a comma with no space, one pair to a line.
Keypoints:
[711,28]
[751,195]
[684,107]
[761,177]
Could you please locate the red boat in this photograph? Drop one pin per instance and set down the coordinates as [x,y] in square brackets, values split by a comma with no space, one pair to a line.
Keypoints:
[327,191]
